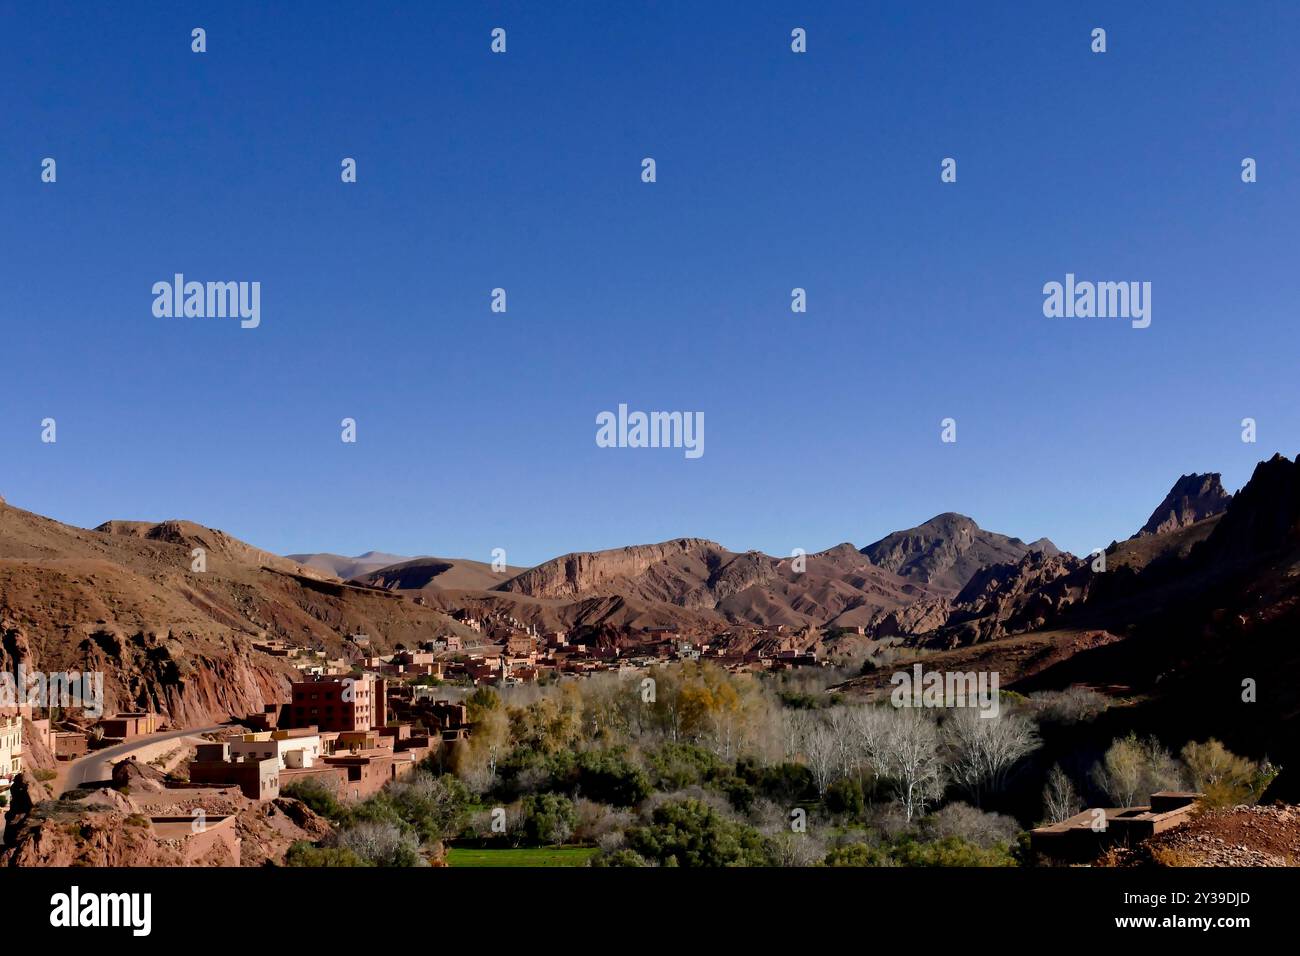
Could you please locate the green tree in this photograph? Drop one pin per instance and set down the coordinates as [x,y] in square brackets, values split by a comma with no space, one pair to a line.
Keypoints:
[845,796]
[548,817]
[434,807]
[676,766]
[610,776]
[691,833]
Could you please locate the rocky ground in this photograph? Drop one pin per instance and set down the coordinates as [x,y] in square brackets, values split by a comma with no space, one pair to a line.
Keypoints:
[1239,836]
[111,826]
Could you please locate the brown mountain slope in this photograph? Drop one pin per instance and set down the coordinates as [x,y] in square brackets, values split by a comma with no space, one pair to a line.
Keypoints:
[835,586]
[124,601]
[420,574]
[345,568]
[1037,589]
[945,551]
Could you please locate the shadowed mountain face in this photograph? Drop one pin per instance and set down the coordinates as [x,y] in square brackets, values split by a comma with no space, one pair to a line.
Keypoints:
[345,568]
[419,574]
[1195,623]
[947,550]
[1263,518]
[1193,498]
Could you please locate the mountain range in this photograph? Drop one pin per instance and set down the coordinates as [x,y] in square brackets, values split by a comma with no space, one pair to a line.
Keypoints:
[1201,599]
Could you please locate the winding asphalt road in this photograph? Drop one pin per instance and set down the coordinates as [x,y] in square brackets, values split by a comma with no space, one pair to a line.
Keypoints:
[98,766]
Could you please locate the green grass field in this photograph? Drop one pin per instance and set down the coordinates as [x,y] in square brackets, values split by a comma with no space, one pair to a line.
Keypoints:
[524,856]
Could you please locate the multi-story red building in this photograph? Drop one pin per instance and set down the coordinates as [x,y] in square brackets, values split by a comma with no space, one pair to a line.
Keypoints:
[337,703]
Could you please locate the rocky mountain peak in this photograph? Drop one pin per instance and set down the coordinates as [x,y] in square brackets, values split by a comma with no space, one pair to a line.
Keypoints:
[946,550]
[1193,498]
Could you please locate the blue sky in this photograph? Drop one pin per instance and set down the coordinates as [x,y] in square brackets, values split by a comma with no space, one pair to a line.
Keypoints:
[775,170]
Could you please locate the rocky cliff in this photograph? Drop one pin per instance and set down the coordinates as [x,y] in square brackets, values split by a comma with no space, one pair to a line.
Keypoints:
[1193,498]
[946,550]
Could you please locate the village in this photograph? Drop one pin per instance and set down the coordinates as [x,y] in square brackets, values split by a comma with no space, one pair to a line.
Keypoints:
[357,721]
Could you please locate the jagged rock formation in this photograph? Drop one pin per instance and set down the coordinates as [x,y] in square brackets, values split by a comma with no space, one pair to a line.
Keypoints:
[946,550]
[1000,600]
[923,617]
[1193,498]
[1263,517]
[1005,599]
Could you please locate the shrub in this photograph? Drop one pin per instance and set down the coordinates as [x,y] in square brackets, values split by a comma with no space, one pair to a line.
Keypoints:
[380,844]
[548,817]
[856,854]
[845,796]
[985,830]
[691,833]
[1223,778]
[434,807]
[678,765]
[620,858]
[318,797]
[740,793]
[1070,706]
[949,851]
[610,776]
[599,824]
[1169,856]
[303,853]
[782,783]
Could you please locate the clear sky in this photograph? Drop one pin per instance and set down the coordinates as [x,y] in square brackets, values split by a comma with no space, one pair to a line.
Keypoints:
[775,170]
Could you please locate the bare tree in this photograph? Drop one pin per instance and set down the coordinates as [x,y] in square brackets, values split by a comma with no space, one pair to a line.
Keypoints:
[902,748]
[822,752]
[843,724]
[870,725]
[1060,799]
[795,725]
[986,748]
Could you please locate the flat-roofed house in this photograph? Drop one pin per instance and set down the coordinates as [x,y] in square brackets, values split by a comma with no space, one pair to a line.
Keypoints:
[1085,835]
[292,749]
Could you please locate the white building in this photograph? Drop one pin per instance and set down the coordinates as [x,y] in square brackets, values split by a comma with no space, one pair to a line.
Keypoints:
[11,744]
[293,750]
